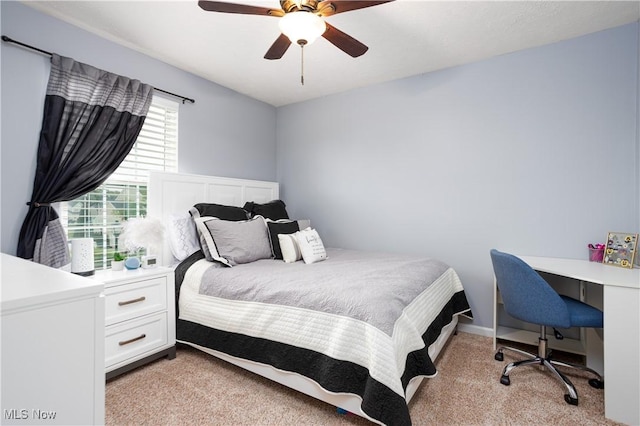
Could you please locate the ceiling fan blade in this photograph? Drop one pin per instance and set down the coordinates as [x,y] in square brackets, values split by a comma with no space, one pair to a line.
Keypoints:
[221,6]
[331,7]
[344,42]
[278,47]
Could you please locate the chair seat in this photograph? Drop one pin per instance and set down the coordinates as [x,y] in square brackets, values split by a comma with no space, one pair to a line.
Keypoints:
[583,315]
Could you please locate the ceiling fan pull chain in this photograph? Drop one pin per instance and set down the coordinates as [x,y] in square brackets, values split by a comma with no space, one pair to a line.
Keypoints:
[302,64]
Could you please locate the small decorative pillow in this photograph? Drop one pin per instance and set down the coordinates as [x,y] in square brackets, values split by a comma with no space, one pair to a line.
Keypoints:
[234,242]
[289,246]
[310,245]
[283,226]
[183,238]
[274,210]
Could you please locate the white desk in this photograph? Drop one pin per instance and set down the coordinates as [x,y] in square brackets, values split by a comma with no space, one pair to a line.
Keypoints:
[621,307]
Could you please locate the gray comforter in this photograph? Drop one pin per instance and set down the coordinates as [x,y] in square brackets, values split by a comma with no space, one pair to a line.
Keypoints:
[371,287]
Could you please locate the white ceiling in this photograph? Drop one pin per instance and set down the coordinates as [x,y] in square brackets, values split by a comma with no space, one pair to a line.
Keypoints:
[405,38]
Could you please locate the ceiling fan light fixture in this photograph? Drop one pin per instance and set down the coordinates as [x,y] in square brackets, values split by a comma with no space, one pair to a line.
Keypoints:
[302,27]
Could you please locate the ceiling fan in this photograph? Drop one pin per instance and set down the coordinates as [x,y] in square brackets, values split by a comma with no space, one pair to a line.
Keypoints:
[301,22]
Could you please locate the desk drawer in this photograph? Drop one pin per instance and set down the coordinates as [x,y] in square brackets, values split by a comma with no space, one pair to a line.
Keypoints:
[133,300]
[128,340]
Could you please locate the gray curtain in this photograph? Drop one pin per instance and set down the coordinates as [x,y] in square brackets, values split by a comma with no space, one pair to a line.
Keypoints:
[91,120]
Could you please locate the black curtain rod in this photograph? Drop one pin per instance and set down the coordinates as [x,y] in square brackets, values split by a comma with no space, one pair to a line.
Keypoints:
[10,40]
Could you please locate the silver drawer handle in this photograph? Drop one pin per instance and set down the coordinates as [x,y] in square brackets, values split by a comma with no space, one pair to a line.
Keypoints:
[135,339]
[128,302]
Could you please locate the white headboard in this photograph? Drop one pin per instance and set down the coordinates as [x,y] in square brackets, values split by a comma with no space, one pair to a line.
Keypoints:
[176,193]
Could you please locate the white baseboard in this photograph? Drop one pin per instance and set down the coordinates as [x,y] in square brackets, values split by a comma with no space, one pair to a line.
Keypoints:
[475,329]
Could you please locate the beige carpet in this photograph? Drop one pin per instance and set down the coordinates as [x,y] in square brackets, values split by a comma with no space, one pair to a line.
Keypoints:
[197,389]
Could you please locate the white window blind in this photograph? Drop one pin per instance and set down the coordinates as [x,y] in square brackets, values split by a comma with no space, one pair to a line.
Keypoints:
[100,213]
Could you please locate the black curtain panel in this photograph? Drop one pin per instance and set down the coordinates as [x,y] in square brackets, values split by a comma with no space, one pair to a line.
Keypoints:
[91,121]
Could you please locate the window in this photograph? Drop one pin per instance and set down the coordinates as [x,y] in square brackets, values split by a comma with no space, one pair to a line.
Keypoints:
[100,213]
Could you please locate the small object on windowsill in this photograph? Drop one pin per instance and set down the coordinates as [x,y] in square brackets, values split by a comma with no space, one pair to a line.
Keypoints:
[149,261]
[596,252]
[132,263]
[117,265]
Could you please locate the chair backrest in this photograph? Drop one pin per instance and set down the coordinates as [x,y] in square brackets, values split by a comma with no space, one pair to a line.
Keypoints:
[526,295]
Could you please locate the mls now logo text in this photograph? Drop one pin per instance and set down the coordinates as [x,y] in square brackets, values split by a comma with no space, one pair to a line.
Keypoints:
[24,414]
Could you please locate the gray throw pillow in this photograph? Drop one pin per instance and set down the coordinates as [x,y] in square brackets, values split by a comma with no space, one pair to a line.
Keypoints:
[240,242]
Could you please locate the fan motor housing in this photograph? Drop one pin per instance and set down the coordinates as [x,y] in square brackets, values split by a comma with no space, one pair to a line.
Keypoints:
[292,5]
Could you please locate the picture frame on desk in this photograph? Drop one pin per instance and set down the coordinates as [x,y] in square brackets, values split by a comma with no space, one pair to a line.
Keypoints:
[620,249]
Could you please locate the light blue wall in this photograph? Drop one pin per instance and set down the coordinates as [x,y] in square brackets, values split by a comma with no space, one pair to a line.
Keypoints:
[214,137]
[534,152]
[515,152]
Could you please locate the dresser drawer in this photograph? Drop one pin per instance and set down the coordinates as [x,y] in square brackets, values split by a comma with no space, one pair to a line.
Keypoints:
[124,302]
[133,338]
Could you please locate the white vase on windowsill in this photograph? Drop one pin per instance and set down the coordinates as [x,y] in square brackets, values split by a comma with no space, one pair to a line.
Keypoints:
[117,265]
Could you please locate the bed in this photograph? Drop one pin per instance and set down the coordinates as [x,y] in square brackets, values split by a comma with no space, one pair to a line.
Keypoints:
[358,330]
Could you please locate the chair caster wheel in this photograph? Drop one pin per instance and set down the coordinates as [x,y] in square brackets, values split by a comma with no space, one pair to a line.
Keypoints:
[499,356]
[595,383]
[569,400]
[505,380]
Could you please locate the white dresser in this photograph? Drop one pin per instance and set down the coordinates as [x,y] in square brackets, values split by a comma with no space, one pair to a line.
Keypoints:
[52,345]
[139,317]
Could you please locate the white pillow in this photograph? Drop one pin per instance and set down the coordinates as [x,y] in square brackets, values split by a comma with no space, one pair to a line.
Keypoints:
[183,239]
[289,247]
[310,245]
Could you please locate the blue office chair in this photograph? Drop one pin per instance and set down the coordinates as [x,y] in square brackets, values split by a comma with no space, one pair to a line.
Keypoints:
[528,297]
